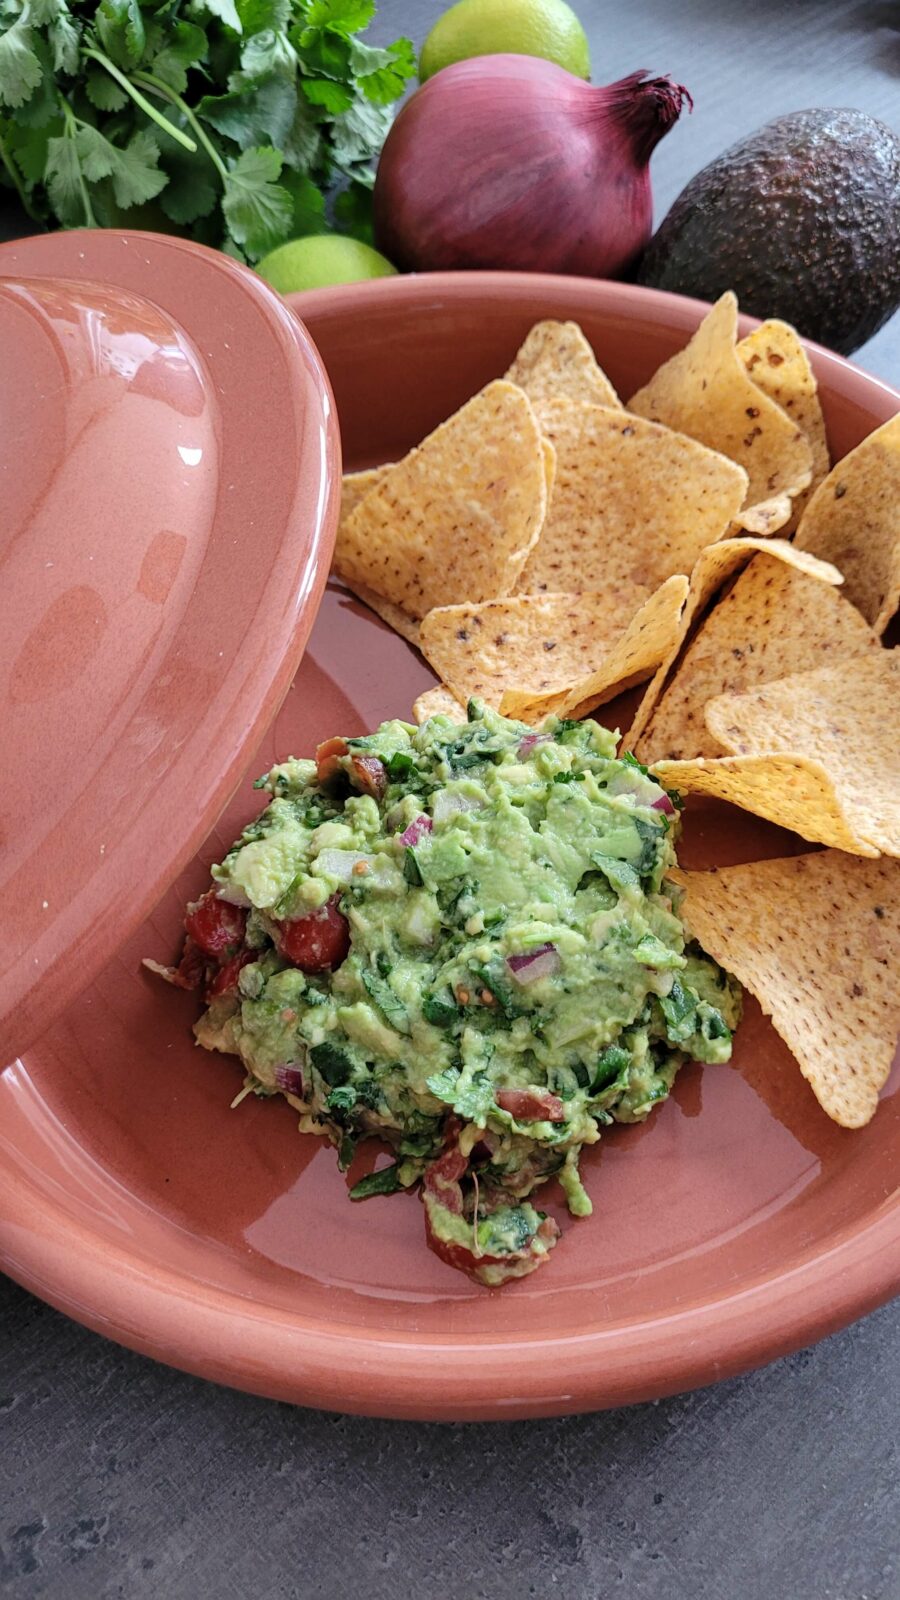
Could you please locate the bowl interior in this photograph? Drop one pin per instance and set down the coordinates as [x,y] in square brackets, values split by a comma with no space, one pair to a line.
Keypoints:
[236,1232]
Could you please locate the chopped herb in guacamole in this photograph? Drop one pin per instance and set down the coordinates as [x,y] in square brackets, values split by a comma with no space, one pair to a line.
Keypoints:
[460,940]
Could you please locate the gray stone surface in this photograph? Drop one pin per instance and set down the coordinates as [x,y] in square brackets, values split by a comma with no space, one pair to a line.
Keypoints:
[119,1478]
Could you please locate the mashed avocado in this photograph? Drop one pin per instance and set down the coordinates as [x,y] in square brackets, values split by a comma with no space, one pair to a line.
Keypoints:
[460,939]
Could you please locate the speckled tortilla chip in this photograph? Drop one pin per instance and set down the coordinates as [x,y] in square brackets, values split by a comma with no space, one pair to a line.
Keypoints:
[456,518]
[632,502]
[438,702]
[356,485]
[775,621]
[557,363]
[853,519]
[715,566]
[845,720]
[791,791]
[537,644]
[619,649]
[778,364]
[393,615]
[816,939]
[705,391]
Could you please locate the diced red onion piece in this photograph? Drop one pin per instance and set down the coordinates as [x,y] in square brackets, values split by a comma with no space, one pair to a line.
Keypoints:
[530,742]
[289,1080]
[416,830]
[664,804]
[542,962]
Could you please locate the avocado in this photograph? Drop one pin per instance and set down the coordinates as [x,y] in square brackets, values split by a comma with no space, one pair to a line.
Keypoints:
[801,219]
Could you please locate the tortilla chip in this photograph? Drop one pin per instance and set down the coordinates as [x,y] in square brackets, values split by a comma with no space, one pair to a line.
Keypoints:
[393,615]
[791,791]
[816,939]
[623,646]
[438,702]
[557,363]
[632,502]
[845,718]
[456,518]
[776,621]
[705,392]
[853,519]
[715,566]
[539,643]
[778,364]
[356,485]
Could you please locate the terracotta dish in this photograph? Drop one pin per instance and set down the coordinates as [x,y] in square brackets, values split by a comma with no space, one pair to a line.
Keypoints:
[736,1224]
[169,463]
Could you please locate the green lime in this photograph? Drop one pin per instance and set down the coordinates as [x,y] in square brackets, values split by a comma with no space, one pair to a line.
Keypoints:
[321,259]
[547,28]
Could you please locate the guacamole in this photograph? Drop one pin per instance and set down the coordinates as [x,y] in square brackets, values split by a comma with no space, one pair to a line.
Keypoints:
[459,939]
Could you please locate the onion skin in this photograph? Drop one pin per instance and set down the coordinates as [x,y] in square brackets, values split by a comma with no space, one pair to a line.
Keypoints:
[511,162]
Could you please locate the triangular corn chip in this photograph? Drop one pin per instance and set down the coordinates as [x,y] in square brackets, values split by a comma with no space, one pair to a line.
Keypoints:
[557,363]
[792,791]
[715,566]
[456,518]
[632,502]
[778,364]
[853,519]
[621,649]
[845,718]
[816,939]
[438,702]
[705,391]
[775,621]
[393,615]
[356,485]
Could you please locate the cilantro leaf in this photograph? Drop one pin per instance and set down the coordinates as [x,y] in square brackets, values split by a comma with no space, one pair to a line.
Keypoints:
[28,146]
[344,16]
[120,24]
[309,205]
[103,91]
[186,45]
[137,176]
[303,145]
[190,192]
[259,15]
[20,69]
[353,210]
[63,178]
[253,113]
[258,211]
[358,136]
[226,12]
[334,98]
[385,1181]
[96,154]
[265,52]
[383,74]
[65,38]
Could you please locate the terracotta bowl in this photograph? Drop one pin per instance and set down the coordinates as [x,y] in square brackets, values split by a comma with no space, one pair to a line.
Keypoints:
[736,1224]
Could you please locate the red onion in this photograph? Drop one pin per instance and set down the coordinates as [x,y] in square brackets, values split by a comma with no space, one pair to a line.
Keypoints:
[663,804]
[416,830]
[289,1080]
[542,962]
[510,161]
[530,742]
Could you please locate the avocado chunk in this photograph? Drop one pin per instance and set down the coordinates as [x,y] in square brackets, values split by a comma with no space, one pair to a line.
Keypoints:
[801,220]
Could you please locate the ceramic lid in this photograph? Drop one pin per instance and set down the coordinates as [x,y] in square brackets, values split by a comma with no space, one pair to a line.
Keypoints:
[169,477]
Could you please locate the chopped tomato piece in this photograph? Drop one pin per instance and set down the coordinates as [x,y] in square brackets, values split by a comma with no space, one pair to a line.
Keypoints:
[317,941]
[531,1105]
[223,981]
[216,925]
[328,759]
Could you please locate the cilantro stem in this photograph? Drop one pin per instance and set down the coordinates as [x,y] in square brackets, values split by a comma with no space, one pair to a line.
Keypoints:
[141,100]
[90,220]
[199,133]
[16,180]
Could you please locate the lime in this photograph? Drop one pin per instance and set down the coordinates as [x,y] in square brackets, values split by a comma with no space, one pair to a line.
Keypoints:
[320,259]
[547,28]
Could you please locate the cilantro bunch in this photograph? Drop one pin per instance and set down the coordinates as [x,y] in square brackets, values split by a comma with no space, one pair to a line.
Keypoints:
[232,118]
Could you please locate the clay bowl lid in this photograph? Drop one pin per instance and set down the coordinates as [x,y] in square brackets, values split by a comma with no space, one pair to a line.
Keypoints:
[169,478]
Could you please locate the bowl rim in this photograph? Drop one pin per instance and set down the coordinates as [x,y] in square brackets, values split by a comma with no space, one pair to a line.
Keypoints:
[268,1350]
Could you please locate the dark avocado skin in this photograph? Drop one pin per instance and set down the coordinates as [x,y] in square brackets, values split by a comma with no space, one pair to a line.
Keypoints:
[802,220]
